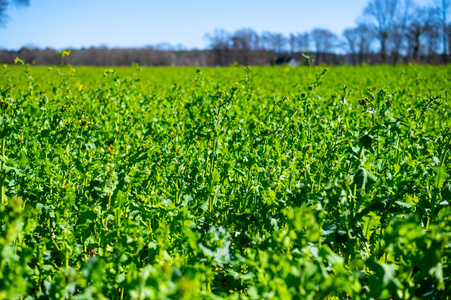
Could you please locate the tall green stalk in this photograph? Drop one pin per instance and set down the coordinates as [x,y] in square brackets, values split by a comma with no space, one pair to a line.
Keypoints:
[2,196]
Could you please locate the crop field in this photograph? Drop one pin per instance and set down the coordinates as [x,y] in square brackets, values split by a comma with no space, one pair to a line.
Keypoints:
[236,182]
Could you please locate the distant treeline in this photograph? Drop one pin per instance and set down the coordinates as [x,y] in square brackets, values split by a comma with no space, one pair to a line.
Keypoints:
[154,57]
[215,57]
[388,31]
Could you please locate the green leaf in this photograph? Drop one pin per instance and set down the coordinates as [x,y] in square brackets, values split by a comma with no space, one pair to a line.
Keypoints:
[386,275]
[363,179]
[329,230]
[366,141]
[45,133]
[403,204]
[440,176]
[186,199]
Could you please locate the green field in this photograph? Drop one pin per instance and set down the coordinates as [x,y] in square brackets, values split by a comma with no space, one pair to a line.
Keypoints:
[211,183]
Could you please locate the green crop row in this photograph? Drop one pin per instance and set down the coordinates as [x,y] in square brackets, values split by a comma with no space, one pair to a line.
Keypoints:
[239,183]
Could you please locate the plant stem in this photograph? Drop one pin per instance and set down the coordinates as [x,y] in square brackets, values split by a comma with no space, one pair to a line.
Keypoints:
[211,175]
[212,164]
[110,193]
[2,196]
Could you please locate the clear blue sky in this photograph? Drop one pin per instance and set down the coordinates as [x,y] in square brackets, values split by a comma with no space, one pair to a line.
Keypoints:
[62,24]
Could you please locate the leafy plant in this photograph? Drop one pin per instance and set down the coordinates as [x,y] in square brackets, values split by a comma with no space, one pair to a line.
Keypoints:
[239,183]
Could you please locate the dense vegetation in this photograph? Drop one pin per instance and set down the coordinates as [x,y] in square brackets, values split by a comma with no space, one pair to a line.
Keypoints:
[234,182]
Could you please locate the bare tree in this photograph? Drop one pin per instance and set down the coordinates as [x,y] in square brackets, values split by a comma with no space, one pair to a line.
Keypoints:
[298,41]
[279,42]
[380,17]
[449,36]
[302,41]
[359,40]
[4,5]
[246,38]
[220,44]
[243,42]
[431,42]
[266,39]
[274,41]
[443,8]
[420,25]
[351,37]
[398,37]
[292,43]
[324,41]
